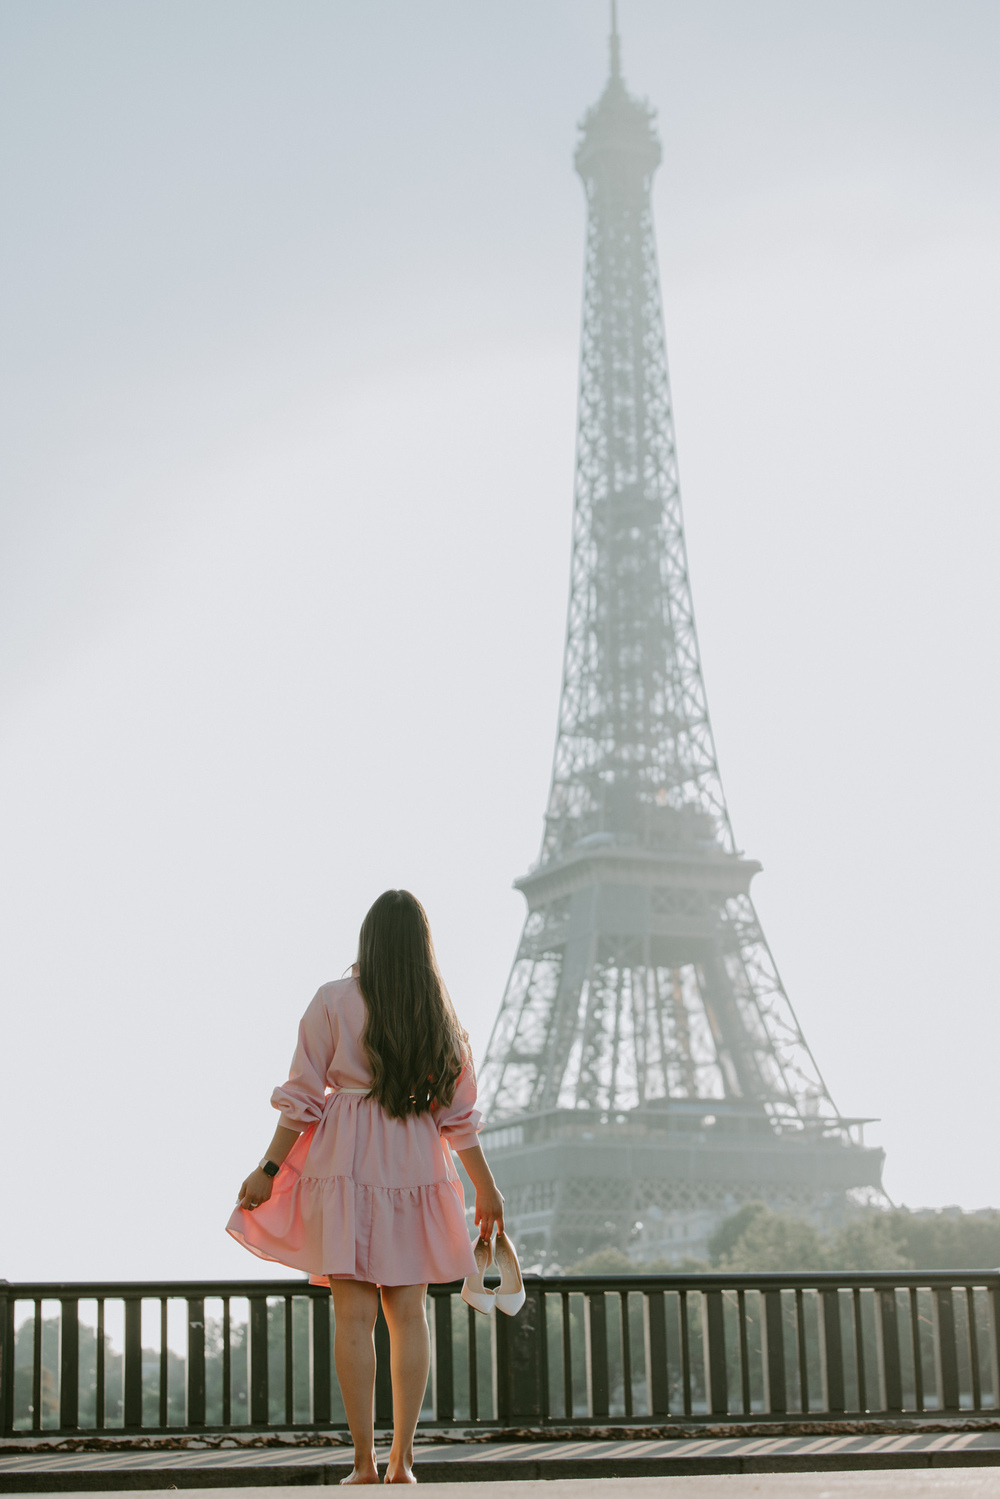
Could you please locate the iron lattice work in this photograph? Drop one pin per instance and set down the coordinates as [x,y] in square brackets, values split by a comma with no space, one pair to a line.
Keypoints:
[643,981]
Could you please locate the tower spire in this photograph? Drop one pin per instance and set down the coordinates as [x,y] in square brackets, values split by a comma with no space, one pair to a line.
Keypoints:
[615,45]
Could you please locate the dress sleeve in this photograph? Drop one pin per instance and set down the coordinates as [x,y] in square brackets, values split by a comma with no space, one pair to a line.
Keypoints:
[461,1121]
[300,1100]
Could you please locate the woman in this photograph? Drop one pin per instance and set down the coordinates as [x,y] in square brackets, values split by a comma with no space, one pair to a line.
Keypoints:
[358,1186]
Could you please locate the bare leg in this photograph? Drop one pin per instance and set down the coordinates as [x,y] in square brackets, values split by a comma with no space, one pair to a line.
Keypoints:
[410,1346]
[355,1305]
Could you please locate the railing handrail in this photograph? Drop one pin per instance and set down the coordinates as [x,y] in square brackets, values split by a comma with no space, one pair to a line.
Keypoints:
[615,1281]
[55,1290]
[766,1279]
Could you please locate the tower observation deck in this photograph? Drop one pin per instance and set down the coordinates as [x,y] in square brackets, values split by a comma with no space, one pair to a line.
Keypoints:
[646,1074]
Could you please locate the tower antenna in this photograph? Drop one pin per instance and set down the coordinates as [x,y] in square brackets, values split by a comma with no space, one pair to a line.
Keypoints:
[616,58]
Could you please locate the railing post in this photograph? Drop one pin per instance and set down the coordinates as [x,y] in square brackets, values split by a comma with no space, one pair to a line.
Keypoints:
[859,1346]
[948,1348]
[685,1352]
[598,1320]
[567,1355]
[36,1367]
[918,1354]
[444,1379]
[320,1309]
[6,1360]
[100,1371]
[995,1307]
[132,1413]
[800,1332]
[69,1362]
[383,1381]
[778,1400]
[196,1361]
[626,1352]
[658,1378]
[259,1394]
[977,1391]
[473,1364]
[287,1348]
[227,1363]
[833,1338]
[520,1346]
[890,1349]
[717,1371]
[165,1364]
[543,1355]
[741,1312]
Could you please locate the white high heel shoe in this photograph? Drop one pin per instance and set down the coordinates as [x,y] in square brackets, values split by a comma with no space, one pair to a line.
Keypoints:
[473,1290]
[509,1296]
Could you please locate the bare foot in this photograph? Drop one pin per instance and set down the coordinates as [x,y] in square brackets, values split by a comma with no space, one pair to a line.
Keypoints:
[362,1475]
[401,1473]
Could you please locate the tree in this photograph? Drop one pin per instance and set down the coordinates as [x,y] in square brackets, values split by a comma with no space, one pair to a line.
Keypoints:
[948,1239]
[774,1241]
[605,1262]
[757,1239]
[868,1243]
[732,1229]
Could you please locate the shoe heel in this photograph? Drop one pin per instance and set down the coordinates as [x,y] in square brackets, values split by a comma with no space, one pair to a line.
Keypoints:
[481,1301]
[473,1290]
[511,1295]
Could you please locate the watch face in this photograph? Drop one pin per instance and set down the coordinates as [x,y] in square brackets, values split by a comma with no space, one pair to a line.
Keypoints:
[270,1169]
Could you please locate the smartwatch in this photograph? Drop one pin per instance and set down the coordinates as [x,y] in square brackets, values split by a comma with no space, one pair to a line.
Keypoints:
[269,1168]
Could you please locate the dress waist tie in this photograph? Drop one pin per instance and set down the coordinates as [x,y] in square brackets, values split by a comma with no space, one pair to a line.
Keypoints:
[351,1090]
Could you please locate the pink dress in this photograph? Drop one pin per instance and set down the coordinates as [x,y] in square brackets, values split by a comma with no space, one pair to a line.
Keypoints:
[360,1194]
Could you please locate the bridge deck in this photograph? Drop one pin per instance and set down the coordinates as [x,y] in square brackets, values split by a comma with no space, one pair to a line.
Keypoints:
[46,1471]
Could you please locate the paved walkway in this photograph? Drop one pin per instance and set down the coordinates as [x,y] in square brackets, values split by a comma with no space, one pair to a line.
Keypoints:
[893,1484]
[965,1484]
[832,1459]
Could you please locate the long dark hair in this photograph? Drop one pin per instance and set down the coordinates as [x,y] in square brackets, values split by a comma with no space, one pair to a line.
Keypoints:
[414,1043]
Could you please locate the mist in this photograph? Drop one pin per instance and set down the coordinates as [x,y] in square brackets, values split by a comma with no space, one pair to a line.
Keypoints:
[291,299]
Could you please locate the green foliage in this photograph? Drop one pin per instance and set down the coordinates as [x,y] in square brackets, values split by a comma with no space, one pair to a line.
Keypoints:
[616,1262]
[684,1266]
[868,1243]
[87,1386]
[757,1239]
[731,1230]
[113,1373]
[773,1241]
[605,1262]
[949,1239]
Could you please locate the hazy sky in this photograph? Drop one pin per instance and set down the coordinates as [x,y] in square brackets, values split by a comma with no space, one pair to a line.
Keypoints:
[291,295]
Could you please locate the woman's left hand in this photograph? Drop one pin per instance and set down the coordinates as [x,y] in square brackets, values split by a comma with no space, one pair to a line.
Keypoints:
[255,1190]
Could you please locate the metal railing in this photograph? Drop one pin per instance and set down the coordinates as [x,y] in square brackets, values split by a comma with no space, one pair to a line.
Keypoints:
[169,1358]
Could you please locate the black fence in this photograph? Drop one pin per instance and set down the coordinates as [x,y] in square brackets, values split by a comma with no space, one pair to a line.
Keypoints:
[166,1358]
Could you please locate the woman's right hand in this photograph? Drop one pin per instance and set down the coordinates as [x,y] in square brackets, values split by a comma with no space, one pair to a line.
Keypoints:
[255,1190]
[489,1210]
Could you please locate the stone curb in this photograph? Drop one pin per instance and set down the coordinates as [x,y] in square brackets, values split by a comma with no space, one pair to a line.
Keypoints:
[460,1471]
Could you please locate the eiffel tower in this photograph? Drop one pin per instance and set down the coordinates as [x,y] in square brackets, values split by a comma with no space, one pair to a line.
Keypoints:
[646,1074]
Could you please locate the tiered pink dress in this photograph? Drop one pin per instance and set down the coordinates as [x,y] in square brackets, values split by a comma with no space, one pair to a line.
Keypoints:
[361,1194]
